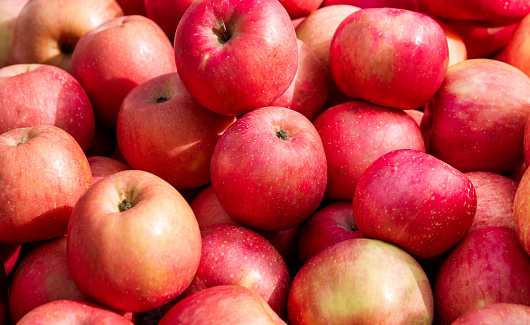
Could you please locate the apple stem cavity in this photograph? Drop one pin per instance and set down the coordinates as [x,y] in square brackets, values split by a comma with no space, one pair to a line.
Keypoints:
[282,135]
[160,100]
[124,205]
[222,33]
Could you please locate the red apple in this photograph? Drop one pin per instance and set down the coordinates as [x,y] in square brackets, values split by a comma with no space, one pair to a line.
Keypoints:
[133,242]
[300,8]
[238,56]
[166,13]
[403,4]
[482,41]
[41,277]
[10,255]
[521,211]
[47,31]
[115,57]
[458,51]
[43,172]
[223,304]
[132,7]
[416,201]
[499,313]
[376,56]
[309,90]
[495,199]
[71,312]
[518,46]
[490,12]
[3,296]
[479,116]
[361,281]
[102,166]
[355,134]
[332,223]
[35,94]
[269,169]
[9,11]
[240,256]
[146,124]
[488,266]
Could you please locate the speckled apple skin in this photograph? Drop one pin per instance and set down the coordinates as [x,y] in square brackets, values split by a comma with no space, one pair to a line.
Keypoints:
[376,55]
[487,266]
[416,201]
[521,212]
[479,116]
[498,313]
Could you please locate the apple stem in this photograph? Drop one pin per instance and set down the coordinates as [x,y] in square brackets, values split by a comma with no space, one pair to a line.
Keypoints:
[124,205]
[225,35]
[282,135]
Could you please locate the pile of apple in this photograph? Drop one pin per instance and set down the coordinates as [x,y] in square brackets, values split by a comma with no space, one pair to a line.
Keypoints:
[264,162]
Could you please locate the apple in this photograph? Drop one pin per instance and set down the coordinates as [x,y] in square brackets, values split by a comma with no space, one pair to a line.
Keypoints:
[166,13]
[240,256]
[269,169]
[102,166]
[35,94]
[416,201]
[238,56]
[482,41]
[47,31]
[489,12]
[43,172]
[115,57]
[41,277]
[458,51]
[499,313]
[132,7]
[521,211]
[479,115]
[355,134]
[301,8]
[332,223]
[403,4]
[215,305]
[3,296]
[416,114]
[360,281]
[133,243]
[71,312]
[103,143]
[309,90]
[518,46]
[488,266]
[495,199]
[376,56]
[147,120]
[10,255]
[9,11]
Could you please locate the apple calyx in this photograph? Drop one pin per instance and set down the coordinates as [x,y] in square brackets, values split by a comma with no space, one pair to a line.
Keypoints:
[222,33]
[67,44]
[161,100]
[124,205]
[282,135]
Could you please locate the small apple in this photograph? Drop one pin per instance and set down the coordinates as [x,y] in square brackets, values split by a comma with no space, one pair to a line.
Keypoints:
[269,169]
[236,56]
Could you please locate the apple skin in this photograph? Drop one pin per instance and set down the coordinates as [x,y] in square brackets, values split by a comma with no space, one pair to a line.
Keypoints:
[458,51]
[495,199]
[132,7]
[478,117]
[309,90]
[240,256]
[269,169]
[332,223]
[300,8]
[518,46]
[215,305]
[3,296]
[355,134]
[137,259]
[499,313]
[47,31]
[9,11]
[482,41]
[521,211]
[37,199]
[35,94]
[108,63]
[402,4]
[489,12]
[416,201]
[166,13]
[488,266]
[41,277]
[10,255]
[145,130]
[401,67]
[248,66]
[102,166]
[340,285]
[71,312]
